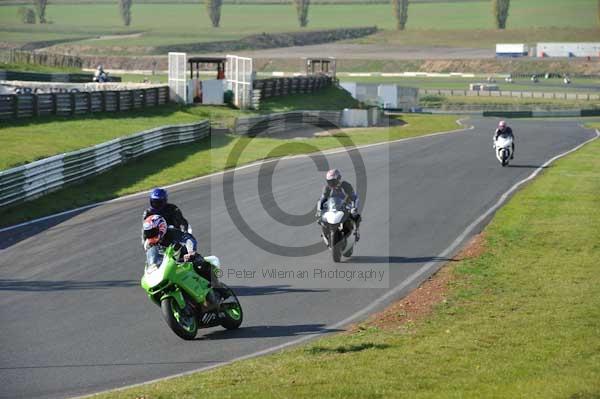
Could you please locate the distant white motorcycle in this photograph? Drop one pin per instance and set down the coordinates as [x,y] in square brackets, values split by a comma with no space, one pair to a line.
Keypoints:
[334,228]
[503,149]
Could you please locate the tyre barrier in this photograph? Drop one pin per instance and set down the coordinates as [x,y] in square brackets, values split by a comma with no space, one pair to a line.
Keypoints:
[41,177]
[281,122]
[13,106]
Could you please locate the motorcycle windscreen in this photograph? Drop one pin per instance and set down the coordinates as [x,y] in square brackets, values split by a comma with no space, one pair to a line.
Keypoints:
[503,142]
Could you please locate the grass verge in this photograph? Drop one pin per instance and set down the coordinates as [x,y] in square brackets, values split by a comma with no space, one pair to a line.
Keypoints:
[37,68]
[503,102]
[53,135]
[522,319]
[174,164]
[47,136]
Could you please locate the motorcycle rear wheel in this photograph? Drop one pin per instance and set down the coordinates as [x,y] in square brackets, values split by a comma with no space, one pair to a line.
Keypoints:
[234,315]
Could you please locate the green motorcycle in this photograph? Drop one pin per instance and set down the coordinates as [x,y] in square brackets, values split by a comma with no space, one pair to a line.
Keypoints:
[186,299]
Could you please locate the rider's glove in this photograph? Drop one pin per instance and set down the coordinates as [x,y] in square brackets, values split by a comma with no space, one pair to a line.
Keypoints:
[353,211]
[189,256]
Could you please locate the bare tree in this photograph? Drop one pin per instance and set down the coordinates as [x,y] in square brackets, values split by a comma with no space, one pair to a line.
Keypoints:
[501,12]
[401,13]
[40,7]
[302,11]
[214,11]
[125,10]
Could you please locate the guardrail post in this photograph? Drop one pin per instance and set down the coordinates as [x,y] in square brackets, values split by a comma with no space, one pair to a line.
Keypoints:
[15,105]
[89,102]
[103,101]
[54,104]
[72,103]
[144,99]
[156,91]
[35,105]
[117,100]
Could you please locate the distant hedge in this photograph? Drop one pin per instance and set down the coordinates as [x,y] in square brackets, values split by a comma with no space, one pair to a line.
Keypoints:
[271,40]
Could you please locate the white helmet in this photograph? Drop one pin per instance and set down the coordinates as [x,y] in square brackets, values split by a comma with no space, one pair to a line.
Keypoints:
[333,177]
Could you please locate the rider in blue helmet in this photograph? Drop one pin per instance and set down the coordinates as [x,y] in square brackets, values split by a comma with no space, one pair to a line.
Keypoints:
[159,205]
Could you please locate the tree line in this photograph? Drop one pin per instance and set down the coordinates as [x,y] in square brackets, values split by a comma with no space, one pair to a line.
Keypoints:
[400,7]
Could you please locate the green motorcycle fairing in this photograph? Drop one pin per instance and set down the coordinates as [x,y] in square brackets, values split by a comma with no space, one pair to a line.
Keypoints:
[171,277]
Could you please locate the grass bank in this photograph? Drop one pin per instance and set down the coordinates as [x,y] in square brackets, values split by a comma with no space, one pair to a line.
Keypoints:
[178,163]
[55,135]
[522,319]
[37,68]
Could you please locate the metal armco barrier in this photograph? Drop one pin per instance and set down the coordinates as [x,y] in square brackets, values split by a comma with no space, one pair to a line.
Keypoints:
[37,178]
[14,106]
[280,122]
[543,113]
[518,94]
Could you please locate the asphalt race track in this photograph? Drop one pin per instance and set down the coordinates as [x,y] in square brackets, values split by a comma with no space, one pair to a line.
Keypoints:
[75,320]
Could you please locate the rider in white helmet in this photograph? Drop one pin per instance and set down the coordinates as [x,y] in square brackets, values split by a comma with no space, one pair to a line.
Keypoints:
[337,187]
[505,131]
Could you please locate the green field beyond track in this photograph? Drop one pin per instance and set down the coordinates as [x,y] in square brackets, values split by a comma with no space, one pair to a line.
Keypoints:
[163,24]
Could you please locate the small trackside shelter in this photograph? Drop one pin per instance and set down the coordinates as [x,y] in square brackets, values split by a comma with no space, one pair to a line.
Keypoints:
[201,63]
[232,73]
[321,66]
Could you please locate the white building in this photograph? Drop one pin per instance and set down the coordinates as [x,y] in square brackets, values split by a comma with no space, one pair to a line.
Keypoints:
[568,49]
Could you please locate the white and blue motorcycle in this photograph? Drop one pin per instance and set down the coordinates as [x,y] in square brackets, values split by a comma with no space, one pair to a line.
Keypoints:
[337,228]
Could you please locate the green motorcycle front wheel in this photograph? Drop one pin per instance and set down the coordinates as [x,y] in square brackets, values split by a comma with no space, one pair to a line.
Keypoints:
[183,322]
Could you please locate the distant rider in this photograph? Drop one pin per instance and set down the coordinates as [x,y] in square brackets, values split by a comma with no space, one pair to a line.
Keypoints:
[159,205]
[505,131]
[336,187]
[158,235]
[100,76]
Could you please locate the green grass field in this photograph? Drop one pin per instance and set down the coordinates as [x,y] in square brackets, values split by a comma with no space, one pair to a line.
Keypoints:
[179,163]
[54,135]
[163,24]
[521,320]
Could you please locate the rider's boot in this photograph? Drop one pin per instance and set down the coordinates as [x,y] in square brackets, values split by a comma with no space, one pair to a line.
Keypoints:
[220,288]
[357,228]
[512,153]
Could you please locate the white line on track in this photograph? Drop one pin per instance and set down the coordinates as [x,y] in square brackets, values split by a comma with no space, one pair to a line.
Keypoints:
[423,271]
